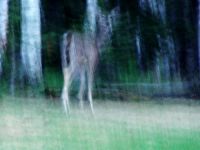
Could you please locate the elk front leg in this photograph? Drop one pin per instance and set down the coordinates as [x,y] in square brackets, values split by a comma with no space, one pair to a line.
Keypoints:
[82,88]
[90,83]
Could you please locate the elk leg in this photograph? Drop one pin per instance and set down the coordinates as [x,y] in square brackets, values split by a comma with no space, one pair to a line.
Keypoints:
[65,91]
[82,88]
[90,82]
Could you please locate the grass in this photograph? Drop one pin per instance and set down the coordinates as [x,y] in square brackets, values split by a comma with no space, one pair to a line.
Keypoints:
[39,124]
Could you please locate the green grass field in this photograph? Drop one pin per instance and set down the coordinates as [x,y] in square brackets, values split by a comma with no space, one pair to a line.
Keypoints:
[39,124]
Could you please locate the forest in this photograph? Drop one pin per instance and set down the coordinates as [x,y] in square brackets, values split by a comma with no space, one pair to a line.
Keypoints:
[158,50]
[121,74]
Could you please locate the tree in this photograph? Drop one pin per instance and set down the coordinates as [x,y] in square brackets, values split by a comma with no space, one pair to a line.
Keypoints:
[31,41]
[3,28]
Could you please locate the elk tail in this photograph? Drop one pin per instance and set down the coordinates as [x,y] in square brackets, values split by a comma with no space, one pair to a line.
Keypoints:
[65,49]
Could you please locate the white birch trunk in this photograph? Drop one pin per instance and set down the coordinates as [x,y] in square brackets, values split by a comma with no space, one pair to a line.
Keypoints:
[3,28]
[90,23]
[31,40]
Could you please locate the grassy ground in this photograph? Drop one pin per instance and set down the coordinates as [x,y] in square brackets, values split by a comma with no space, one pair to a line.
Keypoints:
[39,124]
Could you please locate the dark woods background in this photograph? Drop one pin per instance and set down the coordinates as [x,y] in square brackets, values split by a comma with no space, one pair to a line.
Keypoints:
[148,54]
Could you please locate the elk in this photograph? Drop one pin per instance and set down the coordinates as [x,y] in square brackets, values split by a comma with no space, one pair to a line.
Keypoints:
[79,56]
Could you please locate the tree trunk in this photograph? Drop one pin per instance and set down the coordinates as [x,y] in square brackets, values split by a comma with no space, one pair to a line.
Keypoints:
[90,22]
[31,41]
[3,28]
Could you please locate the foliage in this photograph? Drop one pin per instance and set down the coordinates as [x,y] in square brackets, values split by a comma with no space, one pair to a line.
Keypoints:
[119,61]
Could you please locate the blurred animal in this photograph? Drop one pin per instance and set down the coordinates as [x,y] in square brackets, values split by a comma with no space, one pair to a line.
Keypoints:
[79,55]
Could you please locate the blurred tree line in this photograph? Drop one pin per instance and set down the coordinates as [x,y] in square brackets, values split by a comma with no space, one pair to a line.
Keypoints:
[119,62]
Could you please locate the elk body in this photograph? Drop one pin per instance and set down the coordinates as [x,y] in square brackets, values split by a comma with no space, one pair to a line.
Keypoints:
[79,54]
